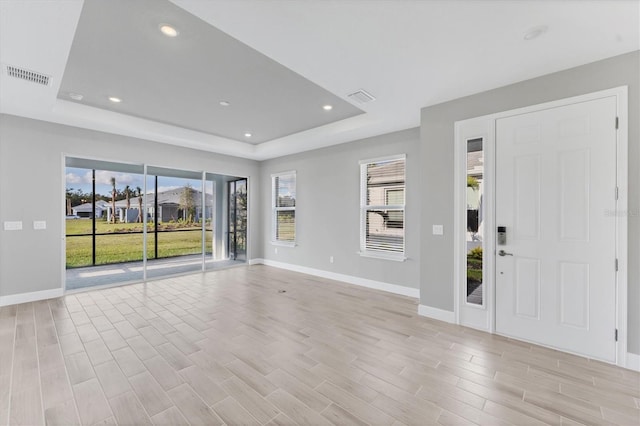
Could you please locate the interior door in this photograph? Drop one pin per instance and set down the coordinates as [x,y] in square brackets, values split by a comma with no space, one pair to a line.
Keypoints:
[555,195]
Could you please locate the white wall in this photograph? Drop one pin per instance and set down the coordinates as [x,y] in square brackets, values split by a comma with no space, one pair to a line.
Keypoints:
[31,185]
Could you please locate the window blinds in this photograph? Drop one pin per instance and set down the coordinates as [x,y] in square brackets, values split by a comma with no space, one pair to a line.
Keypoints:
[382,205]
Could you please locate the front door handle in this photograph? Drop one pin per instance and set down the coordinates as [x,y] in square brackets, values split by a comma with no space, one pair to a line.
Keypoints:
[504,253]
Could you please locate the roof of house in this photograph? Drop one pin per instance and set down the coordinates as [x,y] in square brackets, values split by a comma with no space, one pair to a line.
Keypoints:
[87,207]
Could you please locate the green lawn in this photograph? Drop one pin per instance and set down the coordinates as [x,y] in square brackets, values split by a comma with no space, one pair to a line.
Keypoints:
[128,247]
[83,226]
[474,272]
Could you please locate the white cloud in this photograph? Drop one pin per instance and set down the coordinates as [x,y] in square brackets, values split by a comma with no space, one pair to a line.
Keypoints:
[287,186]
[73,178]
[103,177]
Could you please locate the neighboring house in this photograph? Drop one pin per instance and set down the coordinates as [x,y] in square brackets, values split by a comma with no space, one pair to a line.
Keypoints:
[84,210]
[169,203]
[169,209]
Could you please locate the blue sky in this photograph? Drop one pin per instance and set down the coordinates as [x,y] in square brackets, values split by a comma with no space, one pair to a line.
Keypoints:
[81,179]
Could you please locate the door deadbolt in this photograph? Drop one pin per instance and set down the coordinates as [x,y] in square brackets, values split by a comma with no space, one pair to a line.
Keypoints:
[502,235]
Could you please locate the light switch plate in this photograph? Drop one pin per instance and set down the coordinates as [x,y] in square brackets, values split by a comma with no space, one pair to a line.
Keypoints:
[39,225]
[438,229]
[13,225]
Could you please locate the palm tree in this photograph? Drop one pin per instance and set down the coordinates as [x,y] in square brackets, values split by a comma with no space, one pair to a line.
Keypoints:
[139,193]
[127,194]
[113,200]
[68,193]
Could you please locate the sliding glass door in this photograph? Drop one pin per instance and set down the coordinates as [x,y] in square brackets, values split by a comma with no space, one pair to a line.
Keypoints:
[103,238]
[176,223]
[188,221]
[237,224]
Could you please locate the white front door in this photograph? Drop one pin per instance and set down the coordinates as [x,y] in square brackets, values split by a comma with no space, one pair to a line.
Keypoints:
[556,196]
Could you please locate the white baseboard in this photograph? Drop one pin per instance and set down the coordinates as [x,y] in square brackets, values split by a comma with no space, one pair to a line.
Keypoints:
[633,361]
[350,279]
[15,299]
[437,314]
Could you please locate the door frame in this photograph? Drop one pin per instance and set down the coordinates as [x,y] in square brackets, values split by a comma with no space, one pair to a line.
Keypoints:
[485,127]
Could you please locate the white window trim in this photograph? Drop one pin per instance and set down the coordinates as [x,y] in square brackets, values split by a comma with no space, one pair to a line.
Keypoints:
[375,254]
[274,210]
[283,243]
[388,158]
[380,254]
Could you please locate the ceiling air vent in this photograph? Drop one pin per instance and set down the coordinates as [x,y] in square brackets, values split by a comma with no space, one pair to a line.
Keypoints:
[32,76]
[361,97]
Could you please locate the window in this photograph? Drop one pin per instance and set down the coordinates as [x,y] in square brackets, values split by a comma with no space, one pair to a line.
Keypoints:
[284,207]
[382,201]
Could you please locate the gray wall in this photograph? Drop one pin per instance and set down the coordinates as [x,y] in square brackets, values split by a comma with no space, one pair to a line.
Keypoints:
[437,138]
[31,184]
[328,209]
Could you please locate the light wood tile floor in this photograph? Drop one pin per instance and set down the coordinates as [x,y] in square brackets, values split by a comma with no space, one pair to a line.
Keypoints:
[230,347]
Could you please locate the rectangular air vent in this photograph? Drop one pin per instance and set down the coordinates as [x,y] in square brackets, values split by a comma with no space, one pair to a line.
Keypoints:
[361,97]
[32,76]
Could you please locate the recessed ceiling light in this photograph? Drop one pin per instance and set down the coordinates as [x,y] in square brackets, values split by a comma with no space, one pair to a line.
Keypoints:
[115,100]
[247,135]
[535,32]
[225,103]
[76,96]
[327,107]
[168,30]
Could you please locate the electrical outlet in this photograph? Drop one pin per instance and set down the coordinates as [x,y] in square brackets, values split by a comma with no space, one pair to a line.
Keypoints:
[275,250]
[13,226]
[330,259]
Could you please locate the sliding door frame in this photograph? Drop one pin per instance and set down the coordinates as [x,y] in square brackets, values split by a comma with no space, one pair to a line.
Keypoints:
[145,233]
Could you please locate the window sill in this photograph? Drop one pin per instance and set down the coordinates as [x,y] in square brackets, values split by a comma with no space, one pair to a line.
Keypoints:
[384,256]
[284,243]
